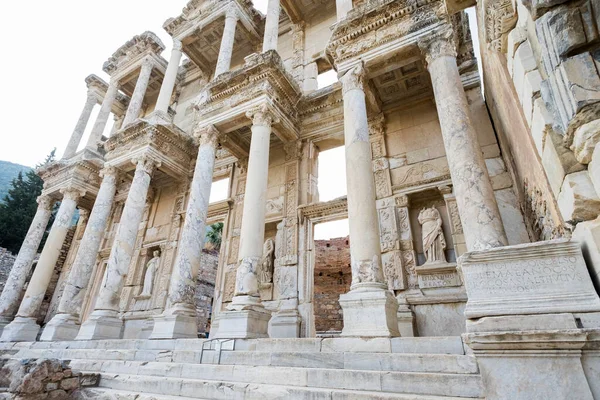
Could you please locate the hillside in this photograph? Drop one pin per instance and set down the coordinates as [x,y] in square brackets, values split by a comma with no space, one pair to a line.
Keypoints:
[9,171]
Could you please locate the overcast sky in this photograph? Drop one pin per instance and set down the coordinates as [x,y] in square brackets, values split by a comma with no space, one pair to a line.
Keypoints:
[52,46]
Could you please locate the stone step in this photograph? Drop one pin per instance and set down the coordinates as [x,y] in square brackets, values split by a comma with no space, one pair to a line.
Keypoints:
[131,385]
[459,385]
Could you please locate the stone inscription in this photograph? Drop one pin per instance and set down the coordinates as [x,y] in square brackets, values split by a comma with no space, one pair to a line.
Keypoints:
[450,279]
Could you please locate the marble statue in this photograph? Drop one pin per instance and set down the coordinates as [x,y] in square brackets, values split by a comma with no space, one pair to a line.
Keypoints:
[151,268]
[265,275]
[434,242]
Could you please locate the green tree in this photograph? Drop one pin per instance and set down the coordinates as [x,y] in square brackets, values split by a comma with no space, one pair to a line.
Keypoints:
[19,206]
[214,235]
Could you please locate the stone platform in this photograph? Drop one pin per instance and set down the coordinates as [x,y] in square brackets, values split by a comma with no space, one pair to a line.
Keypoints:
[332,369]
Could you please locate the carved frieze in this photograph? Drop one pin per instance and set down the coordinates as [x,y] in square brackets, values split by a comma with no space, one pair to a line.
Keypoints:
[499,17]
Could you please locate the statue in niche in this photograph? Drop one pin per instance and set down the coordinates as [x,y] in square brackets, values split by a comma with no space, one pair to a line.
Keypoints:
[151,268]
[434,242]
[265,273]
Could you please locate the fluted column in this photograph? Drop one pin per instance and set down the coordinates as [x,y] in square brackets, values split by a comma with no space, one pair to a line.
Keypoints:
[104,322]
[179,320]
[102,119]
[168,84]
[65,324]
[84,118]
[24,327]
[477,204]
[272,26]
[247,317]
[369,308]
[9,300]
[137,99]
[343,7]
[227,41]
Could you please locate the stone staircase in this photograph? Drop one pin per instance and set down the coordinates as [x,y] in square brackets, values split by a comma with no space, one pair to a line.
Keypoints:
[268,369]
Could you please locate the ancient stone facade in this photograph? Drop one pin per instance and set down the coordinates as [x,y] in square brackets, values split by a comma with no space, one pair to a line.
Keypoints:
[460,207]
[7,260]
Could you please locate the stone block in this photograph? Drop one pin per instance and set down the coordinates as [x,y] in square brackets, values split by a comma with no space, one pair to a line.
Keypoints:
[558,161]
[174,327]
[440,319]
[243,324]
[587,234]
[590,361]
[515,38]
[536,278]
[522,323]
[512,218]
[99,327]
[286,345]
[578,200]
[20,330]
[370,313]
[531,89]
[594,168]
[541,124]
[585,139]
[428,345]
[524,62]
[356,345]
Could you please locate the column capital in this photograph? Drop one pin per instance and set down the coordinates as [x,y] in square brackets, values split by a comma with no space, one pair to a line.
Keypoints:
[146,164]
[92,97]
[354,79]
[177,45]
[109,170]
[232,13]
[402,201]
[72,193]
[45,202]
[262,116]
[207,135]
[439,43]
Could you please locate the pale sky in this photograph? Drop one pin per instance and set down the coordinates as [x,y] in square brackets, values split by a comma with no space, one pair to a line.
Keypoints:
[52,46]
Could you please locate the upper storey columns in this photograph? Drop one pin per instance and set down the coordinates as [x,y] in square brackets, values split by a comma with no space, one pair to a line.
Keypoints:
[84,118]
[103,115]
[474,193]
[227,41]
[343,7]
[272,26]
[369,308]
[166,90]
[137,99]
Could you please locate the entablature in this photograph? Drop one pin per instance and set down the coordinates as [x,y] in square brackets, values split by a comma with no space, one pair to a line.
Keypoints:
[325,211]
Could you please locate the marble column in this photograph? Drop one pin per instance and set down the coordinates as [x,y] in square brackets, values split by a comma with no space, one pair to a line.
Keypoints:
[102,119]
[227,41]
[272,26]
[179,319]
[137,99]
[369,308]
[247,317]
[118,123]
[84,118]
[343,7]
[9,300]
[65,324]
[24,327]
[168,84]
[104,322]
[483,228]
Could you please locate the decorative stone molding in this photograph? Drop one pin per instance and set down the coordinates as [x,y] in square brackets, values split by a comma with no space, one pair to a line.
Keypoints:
[146,164]
[262,116]
[146,43]
[319,210]
[45,202]
[109,170]
[439,43]
[354,79]
[499,17]
[208,135]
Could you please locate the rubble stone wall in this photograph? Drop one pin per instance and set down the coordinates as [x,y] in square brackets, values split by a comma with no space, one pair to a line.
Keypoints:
[7,259]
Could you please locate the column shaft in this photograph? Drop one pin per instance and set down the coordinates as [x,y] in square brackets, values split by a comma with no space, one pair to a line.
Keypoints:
[343,7]
[477,204]
[81,125]
[226,49]
[105,110]
[272,26]
[24,327]
[179,320]
[137,99]
[64,325]
[9,300]
[166,90]
[104,322]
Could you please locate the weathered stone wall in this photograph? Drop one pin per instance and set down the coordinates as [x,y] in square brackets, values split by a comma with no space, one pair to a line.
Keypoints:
[333,277]
[205,288]
[7,259]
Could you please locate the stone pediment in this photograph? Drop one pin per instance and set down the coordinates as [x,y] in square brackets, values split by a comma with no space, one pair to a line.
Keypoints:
[262,80]
[135,49]
[173,148]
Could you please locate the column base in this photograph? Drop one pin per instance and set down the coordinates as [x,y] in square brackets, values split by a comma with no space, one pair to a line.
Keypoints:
[246,318]
[101,325]
[21,329]
[61,327]
[285,324]
[369,312]
[173,324]
[159,118]
[3,322]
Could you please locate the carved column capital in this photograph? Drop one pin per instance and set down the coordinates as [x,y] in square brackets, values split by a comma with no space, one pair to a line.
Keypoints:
[109,170]
[72,193]
[262,116]
[208,135]
[354,79]
[92,98]
[146,164]
[177,45]
[402,201]
[45,202]
[439,43]
[232,13]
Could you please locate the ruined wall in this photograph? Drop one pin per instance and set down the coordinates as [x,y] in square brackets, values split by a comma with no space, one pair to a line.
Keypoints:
[7,259]
[205,288]
[333,277]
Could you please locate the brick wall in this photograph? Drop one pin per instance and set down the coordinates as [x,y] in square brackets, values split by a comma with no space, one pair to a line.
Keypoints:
[205,288]
[333,277]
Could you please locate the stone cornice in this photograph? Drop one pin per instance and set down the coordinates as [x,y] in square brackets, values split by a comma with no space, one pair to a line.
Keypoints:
[321,100]
[146,43]
[337,208]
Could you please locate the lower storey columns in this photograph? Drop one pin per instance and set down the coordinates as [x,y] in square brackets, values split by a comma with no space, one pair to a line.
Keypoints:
[477,204]
[65,324]
[179,319]
[9,301]
[24,327]
[104,322]
[247,317]
[369,308]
